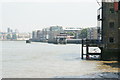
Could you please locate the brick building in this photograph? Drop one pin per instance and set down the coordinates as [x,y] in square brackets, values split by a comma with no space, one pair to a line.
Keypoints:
[111,29]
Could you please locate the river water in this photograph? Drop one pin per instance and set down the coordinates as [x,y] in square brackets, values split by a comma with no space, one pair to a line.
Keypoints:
[43,60]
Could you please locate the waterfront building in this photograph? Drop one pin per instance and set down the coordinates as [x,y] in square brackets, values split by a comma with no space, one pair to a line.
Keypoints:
[8,30]
[23,36]
[54,31]
[111,29]
[52,36]
[14,35]
[93,33]
[73,32]
[3,36]
[39,35]
[45,33]
[9,36]
[34,35]
[61,38]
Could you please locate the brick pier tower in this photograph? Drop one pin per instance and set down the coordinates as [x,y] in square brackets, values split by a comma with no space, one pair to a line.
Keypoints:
[111,29]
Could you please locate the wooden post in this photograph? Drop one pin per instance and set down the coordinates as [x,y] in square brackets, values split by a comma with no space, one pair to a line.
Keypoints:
[101,53]
[82,50]
[87,56]
[87,50]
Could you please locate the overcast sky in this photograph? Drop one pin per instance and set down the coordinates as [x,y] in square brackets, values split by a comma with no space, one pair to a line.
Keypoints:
[29,15]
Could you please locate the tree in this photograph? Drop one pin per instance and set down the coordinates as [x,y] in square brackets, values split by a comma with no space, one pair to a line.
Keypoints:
[71,33]
[83,34]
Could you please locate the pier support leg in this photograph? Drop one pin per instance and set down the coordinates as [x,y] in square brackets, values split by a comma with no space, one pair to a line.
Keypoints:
[87,51]
[82,50]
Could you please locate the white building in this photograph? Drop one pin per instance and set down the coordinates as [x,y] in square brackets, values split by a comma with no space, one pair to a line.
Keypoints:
[34,35]
[76,31]
[23,36]
[54,31]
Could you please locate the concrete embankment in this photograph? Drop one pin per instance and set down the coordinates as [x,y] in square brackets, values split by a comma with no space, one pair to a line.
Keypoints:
[74,41]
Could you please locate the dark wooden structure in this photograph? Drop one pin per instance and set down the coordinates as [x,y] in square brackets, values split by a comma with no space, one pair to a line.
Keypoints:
[28,41]
[91,43]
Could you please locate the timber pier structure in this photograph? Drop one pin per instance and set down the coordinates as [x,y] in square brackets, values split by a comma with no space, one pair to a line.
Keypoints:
[109,21]
[91,43]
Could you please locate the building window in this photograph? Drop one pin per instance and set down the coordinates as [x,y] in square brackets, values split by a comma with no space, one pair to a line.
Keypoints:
[111,40]
[111,10]
[111,24]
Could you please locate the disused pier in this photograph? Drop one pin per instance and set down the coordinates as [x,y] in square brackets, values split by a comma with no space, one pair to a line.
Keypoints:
[91,43]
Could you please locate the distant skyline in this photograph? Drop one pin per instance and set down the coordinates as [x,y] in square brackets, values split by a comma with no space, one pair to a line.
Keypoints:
[28,16]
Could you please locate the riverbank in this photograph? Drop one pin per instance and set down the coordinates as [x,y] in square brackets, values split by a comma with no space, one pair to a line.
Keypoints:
[109,69]
[106,69]
[104,75]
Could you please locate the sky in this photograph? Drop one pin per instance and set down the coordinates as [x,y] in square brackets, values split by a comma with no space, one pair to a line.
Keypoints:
[30,15]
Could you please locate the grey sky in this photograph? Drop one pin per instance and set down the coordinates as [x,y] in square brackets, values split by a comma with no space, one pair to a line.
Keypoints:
[29,16]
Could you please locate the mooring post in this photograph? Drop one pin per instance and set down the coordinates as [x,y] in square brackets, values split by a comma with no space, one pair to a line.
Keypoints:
[82,50]
[101,53]
[87,50]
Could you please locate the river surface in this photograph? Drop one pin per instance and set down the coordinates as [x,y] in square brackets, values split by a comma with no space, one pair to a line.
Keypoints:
[43,60]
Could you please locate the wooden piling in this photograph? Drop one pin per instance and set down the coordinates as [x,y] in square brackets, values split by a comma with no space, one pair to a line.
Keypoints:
[87,50]
[90,43]
[82,50]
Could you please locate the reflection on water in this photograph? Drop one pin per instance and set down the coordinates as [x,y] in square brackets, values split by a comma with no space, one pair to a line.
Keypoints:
[43,60]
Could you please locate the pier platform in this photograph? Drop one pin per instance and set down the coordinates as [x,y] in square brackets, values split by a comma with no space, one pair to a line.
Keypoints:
[91,43]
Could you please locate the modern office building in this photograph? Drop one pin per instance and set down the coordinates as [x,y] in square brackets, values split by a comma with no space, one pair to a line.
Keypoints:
[8,30]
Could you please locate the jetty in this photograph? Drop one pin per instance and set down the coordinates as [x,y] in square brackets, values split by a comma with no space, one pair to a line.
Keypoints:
[91,43]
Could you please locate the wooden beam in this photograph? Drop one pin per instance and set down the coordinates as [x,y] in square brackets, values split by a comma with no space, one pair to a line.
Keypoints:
[82,50]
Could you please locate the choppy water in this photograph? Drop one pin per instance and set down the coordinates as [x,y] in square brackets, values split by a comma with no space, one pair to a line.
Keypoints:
[43,60]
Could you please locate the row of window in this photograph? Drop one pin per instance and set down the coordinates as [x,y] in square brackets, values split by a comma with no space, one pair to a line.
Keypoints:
[111,25]
[111,39]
